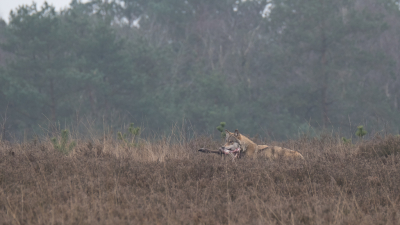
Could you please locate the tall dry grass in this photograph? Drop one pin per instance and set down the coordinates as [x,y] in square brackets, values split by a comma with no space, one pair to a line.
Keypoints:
[166,181]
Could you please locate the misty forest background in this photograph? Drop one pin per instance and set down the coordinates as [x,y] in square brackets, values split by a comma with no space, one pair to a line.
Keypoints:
[275,67]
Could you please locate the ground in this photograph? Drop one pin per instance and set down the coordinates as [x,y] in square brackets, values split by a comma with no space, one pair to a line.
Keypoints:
[105,181]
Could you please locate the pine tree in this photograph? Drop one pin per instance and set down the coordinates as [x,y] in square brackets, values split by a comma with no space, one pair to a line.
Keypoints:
[40,67]
[324,48]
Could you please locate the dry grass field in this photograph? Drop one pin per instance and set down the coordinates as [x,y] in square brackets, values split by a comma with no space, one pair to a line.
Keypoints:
[165,181]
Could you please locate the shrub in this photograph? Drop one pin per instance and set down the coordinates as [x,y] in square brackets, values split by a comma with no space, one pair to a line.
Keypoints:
[62,145]
[381,146]
[221,128]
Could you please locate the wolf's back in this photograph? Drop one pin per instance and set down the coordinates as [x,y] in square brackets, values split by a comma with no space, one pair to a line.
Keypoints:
[274,152]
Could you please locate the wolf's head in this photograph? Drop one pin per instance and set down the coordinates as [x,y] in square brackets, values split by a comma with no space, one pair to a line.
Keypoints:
[232,143]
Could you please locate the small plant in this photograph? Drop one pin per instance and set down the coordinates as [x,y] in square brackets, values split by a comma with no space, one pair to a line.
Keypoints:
[133,133]
[134,130]
[121,136]
[361,132]
[346,140]
[62,145]
[221,128]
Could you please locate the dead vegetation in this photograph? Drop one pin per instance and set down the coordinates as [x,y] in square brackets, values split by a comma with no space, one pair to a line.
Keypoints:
[163,181]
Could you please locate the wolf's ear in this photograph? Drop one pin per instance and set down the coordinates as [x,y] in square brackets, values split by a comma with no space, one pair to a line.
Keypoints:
[237,134]
[227,131]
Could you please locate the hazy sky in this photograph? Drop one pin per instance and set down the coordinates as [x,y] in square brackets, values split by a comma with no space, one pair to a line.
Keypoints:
[7,5]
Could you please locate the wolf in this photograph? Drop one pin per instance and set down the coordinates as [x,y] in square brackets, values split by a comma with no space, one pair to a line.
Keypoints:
[237,145]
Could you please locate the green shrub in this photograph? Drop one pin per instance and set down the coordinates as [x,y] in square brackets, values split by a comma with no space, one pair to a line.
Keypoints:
[62,145]
[221,128]
[361,132]
[129,138]
[346,140]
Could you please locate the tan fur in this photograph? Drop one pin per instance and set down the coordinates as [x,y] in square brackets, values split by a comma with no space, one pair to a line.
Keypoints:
[271,152]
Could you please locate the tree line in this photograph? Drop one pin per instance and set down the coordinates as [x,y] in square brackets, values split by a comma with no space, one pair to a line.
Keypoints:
[275,67]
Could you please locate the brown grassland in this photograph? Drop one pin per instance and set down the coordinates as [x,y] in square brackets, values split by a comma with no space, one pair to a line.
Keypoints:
[166,181]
